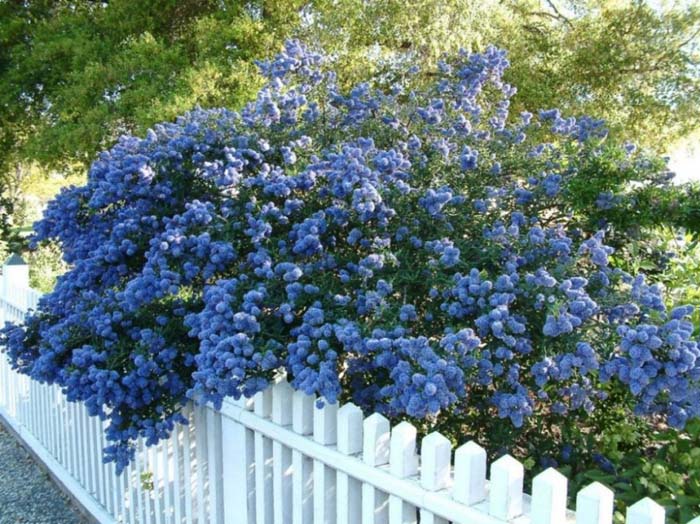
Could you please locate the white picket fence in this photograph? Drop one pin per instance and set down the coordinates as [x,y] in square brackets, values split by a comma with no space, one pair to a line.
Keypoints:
[279,459]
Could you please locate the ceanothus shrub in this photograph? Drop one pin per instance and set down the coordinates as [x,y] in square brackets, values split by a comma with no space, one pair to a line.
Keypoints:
[416,252]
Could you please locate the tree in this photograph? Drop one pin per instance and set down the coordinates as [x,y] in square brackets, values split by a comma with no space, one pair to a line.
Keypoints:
[622,60]
[76,75]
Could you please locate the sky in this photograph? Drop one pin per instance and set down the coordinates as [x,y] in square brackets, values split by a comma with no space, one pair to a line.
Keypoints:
[685,161]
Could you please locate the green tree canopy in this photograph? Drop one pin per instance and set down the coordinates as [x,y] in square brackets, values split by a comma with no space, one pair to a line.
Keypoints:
[76,74]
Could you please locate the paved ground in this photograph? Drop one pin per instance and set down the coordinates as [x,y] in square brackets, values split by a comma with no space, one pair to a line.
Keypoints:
[27,494]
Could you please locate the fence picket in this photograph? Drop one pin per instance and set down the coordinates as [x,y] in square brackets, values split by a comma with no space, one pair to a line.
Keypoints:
[349,489]
[201,454]
[325,433]
[436,456]
[403,463]
[470,474]
[178,474]
[375,452]
[646,511]
[167,475]
[302,466]
[549,497]
[215,507]
[238,462]
[506,497]
[594,505]
[281,455]
[187,463]
[263,466]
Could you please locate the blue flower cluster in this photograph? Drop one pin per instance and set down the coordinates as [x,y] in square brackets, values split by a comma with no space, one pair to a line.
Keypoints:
[416,254]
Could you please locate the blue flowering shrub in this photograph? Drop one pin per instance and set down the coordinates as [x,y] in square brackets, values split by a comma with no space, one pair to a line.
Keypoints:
[419,253]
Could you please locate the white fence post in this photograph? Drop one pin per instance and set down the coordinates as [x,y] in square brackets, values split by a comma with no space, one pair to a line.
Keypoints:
[594,505]
[325,433]
[506,497]
[436,457]
[238,465]
[646,511]
[549,497]
[403,463]
[470,474]
[302,467]
[263,462]
[15,272]
[349,499]
[281,455]
[375,452]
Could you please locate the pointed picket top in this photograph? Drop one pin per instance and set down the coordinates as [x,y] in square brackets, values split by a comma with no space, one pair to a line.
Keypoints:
[549,497]
[326,423]
[15,260]
[403,460]
[282,394]
[376,437]
[244,403]
[262,402]
[349,429]
[646,511]
[470,474]
[506,497]
[594,504]
[302,413]
[436,456]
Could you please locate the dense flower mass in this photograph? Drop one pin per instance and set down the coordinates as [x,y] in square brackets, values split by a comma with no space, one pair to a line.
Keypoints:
[413,251]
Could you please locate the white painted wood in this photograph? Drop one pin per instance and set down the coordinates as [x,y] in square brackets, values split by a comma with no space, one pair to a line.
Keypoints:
[325,433]
[238,470]
[214,467]
[281,455]
[549,490]
[281,412]
[376,440]
[506,497]
[407,489]
[646,511]
[349,489]
[436,458]
[178,496]
[302,466]
[403,460]
[187,466]
[403,463]
[99,464]
[594,505]
[263,462]
[167,473]
[262,403]
[82,434]
[375,452]
[350,429]
[470,474]
[140,498]
[155,470]
[201,454]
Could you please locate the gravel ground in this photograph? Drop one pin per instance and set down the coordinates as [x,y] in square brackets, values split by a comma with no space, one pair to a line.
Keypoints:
[27,493]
